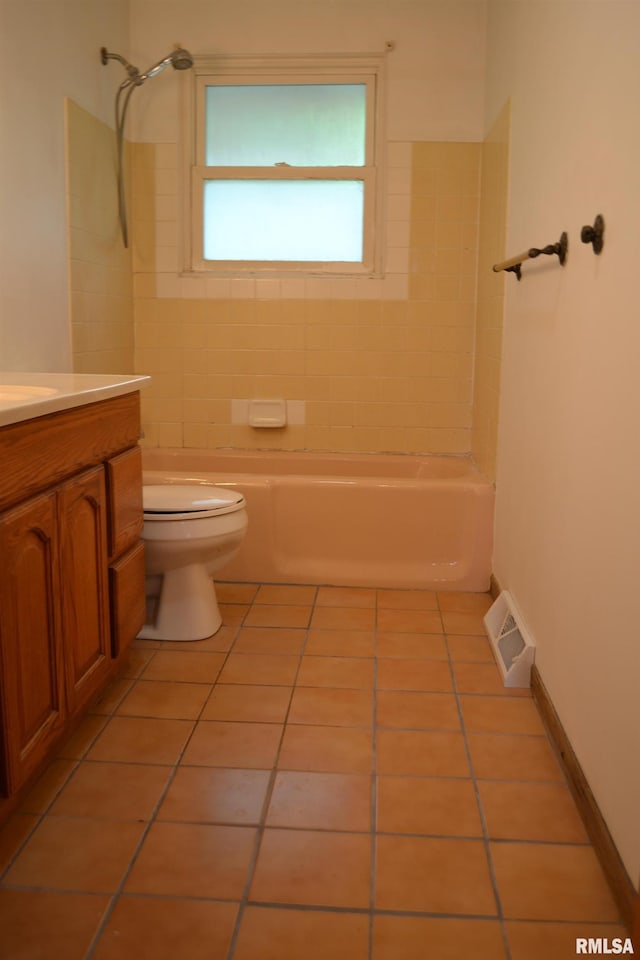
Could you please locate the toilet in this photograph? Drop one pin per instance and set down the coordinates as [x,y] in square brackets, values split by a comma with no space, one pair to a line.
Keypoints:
[189,532]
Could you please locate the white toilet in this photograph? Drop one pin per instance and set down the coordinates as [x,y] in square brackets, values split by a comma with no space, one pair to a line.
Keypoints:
[189,532]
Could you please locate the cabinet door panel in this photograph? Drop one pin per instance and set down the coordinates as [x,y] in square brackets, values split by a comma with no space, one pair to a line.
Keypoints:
[124,485]
[83,559]
[30,654]
[126,579]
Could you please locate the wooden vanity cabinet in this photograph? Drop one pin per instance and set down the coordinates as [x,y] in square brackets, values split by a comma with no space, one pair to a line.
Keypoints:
[71,571]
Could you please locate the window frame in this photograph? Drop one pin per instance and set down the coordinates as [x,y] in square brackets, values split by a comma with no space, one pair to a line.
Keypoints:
[367,69]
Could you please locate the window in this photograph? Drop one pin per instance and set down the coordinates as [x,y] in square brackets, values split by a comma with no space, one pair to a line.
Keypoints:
[282,161]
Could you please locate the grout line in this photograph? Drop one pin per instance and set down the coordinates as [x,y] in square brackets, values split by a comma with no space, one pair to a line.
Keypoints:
[485,830]
[147,829]
[261,826]
[244,899]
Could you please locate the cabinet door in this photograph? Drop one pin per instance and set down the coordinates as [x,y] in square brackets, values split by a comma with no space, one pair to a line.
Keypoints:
[124,487]
[128,602]
[31,686]
[83,571]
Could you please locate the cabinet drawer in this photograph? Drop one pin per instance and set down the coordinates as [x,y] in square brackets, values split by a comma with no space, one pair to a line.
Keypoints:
[124,483]
[126,583]
[36,454]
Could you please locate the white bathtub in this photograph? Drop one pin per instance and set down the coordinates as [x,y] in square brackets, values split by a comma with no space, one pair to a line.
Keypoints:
[350,520]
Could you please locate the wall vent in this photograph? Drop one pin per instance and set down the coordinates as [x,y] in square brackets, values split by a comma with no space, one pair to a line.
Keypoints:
[513,648]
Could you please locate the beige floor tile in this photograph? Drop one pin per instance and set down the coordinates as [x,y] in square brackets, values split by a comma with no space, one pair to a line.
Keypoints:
[236,592]
[428,675]
[295,934]
[112,791]
[340,643]
[13,833]
[500,715]
[233,614]
[321,801]
[470,648]
[286,594]
[229,744]
[336,707]
[421,753]
[428,805]
[465,623]
[75,854]
[220,642]
[410,710]
[184,666]
[141,740]
[416,938]
[82,738]
[497,756]
[433,875]
[162,698]
[48,786]
[193,860]
[282,640]
[412,646]
[351,672]
[309,867]
[346,597]
[278,615]
[531,811]
[136,661]
[409,621]
[484,678]
[38,925]
[141,928]
[203,795]
[343,618]
[259,669]
[407,600]
[461,602]
[109,700]
[247,702]
[551,882]
[331,749]
[555,941]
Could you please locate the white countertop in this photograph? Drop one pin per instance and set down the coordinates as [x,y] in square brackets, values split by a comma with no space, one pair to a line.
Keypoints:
[24,396]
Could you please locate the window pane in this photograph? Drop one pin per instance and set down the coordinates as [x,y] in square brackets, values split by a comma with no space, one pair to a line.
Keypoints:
[283,220]
[308,125]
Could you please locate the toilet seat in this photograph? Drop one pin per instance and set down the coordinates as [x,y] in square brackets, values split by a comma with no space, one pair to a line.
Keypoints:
[172,501]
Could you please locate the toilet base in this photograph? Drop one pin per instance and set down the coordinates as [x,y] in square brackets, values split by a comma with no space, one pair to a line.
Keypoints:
[187,607]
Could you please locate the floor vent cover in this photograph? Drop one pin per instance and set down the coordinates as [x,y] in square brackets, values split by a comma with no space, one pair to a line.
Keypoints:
[512,647]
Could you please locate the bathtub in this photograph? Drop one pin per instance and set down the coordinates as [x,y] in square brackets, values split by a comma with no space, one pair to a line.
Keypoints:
[362,520]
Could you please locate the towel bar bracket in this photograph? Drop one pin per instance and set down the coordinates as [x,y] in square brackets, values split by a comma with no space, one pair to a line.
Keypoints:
[560,249]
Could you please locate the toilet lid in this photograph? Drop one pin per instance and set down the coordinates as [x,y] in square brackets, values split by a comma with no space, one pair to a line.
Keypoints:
[165,501]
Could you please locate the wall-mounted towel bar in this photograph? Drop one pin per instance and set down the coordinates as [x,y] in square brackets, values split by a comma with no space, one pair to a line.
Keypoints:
[513,265]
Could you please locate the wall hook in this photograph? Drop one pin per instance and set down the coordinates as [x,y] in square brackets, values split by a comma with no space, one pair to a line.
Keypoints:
[595,234]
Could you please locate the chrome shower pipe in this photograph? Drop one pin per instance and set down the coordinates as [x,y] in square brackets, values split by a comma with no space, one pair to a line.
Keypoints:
[179,59]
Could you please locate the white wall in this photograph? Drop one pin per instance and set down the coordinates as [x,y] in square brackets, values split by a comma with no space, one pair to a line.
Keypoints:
[49,49]
[568,504]
[436,71]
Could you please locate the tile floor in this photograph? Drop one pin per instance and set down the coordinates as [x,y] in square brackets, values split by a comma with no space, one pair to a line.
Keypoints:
[338,773]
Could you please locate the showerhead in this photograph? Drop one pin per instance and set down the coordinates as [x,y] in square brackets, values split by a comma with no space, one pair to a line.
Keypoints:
[180,59]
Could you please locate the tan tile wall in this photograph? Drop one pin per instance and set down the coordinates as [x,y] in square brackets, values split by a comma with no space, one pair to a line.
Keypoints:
[490,308]
[100,273]
[382,365]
